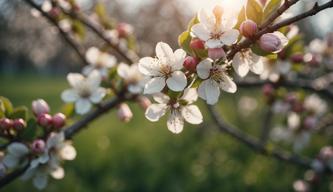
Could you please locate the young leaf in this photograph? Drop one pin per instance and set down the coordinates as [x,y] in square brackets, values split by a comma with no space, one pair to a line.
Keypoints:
[184,41]
[29,133]
[241,18]
[193,21]
[271,7]
[254,11]
[7,105]
[19,112]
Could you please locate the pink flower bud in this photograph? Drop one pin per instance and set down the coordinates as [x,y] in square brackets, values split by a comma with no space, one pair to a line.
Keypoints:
[301,186]
[297,58]
[55,12]
[197,44]
[216,53]
[40,107]
[124,113]
[58,120]
[268,90]
[6,123]
[38,146]
[124,30]
[191,63]
[263,2]
[45,120]
[310,122]
[248,28]
[19,124]
[144,102]
[270,42]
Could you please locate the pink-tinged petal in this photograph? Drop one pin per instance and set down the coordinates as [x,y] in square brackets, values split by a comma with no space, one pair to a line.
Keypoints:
[192,114]
[74,79]
[155,111]
[212,91]
[240,64]
[164,53]
[69,95]
[203,68]
[228,84]
[177,81]
[149,66]
[284,40]
[82,106]
[200,31]
[230,37]
[175,122]
[154,85]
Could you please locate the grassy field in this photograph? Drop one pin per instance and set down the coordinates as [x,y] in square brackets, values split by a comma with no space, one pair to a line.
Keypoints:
[142,156]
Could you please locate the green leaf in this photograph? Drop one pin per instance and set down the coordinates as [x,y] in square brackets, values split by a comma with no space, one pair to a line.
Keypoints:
[19,112]
[241,18]
[201,53]
[254,11]
[8,106]
[193,21]
[271,7]
[184,41]
[29,133]
[79,29]
[68,109]
[2,109]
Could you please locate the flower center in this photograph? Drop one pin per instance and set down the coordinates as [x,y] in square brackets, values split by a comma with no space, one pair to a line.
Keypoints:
[216,73]
[84,90]
[166,70]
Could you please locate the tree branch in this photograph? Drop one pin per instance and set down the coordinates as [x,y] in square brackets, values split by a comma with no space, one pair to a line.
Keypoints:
[255,145]
[268,29]
[77,48]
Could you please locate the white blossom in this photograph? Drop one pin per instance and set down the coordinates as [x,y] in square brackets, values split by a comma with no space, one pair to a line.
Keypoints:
[180,110]
[84,92]
[274,69]
[164,70]
[16,155]
[314,104]
[49,162]
[99,60]
[216,28]
[134,80]
[215,78]
[245,61]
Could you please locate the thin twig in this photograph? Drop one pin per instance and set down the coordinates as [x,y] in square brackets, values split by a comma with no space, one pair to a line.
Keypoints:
[77,48]
[252,143]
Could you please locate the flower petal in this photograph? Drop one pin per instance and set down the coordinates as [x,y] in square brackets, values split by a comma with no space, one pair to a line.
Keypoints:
[180,55]
[257,65]
[190,95]
[192,114]
[123,70]
[40,180]
[154,85]
[161,98]
[228,84]
[175,122]
[18,149]
[68,152]
[149,66]
[200,31]
[98,95]
[75,79]
[203,68]
[212,91]
[240,65]
[58,173]
[164,53]
[230,37]
[10,161]
[94,79]
[177,81]
[206,18]
[82,106]
[92,55]
[135,88]
[155,111]
[214,43]
[69,95]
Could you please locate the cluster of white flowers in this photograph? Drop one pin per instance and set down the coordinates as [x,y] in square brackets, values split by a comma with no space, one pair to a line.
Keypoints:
[44,158]
[299,126]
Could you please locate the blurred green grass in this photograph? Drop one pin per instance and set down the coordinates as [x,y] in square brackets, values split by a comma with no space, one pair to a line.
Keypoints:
[144,156]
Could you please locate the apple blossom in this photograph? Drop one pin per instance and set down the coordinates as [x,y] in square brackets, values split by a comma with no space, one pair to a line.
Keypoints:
[132,77]
[39,107]
[16,154]
[57,150]
[274,69]
[197,44]
[124,113]
[164,70]
[19,124]
[84,92]
[314,104]
[216,53]
[45,120]
[58,120]
[100,61]
[248,28]
[191,63]
[215,28]
[215,78]
[181,110]
[38,146]
[6,123]
[245,61]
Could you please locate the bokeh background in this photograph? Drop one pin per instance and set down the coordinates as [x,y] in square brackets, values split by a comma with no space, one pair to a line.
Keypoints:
[142,156]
